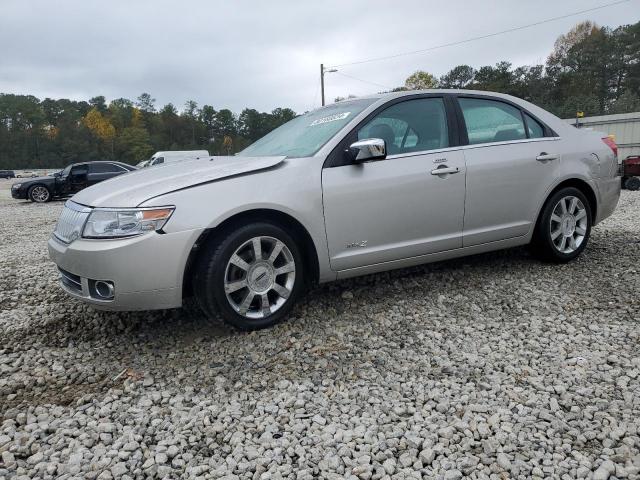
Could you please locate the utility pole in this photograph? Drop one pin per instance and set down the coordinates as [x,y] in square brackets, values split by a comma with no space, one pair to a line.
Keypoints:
[322,82]
[322,72]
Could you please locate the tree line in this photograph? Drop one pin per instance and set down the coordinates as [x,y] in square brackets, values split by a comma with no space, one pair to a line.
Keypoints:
[54,133]
[592,69]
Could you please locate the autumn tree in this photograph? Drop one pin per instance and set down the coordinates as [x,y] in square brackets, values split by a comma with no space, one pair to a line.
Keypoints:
[100,126]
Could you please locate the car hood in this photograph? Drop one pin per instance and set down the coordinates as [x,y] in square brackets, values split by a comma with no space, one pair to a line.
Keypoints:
[25,181]
[134,188]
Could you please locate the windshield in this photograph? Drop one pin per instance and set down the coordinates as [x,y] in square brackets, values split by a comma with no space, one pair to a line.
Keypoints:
[305,135]
[66,171]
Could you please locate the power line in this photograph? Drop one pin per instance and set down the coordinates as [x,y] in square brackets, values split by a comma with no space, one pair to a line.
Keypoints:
[363,81]
[481,37]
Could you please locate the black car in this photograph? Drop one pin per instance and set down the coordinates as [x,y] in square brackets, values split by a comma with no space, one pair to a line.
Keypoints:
[7,174]
[68,181]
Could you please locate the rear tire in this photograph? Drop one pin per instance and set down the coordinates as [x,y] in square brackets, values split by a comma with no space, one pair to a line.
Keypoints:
[632,183]
[250,275]
[39,194]
[564,226]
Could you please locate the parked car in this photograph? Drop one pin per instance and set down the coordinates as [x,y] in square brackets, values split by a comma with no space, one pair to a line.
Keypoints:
[159,158]
[68,181]
[26,174]
[7,174]
[353,188]
[631,172]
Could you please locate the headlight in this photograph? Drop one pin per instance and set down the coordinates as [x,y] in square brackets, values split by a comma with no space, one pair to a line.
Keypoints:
[16,185]
[125,222]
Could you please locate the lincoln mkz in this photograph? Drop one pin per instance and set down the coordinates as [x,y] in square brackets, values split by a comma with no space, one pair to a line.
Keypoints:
[357,187]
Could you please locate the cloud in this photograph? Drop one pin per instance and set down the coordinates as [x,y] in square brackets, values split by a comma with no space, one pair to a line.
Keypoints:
[261,54]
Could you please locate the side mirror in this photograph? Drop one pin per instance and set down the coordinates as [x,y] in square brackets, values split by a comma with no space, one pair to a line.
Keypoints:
[368,149]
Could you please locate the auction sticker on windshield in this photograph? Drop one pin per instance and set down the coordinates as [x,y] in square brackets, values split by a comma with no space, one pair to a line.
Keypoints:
[330,118]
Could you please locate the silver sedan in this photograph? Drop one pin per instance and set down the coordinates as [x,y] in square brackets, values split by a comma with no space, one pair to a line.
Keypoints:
[356,187]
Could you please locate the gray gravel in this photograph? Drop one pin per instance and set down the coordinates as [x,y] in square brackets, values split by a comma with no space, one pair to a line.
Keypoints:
[495,366]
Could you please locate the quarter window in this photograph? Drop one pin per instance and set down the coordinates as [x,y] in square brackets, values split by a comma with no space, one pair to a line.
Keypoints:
[534,128]
[410,126]
[491,121]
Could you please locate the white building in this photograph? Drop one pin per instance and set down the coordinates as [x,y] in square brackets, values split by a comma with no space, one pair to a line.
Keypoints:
[625,127]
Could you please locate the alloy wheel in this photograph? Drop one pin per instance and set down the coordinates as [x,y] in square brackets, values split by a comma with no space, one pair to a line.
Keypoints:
[259,277]
[40,194]
[568,224]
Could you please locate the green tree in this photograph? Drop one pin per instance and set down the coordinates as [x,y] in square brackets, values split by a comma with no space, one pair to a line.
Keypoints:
[191,115]
[627,102]
[583,65]
[134,144]
[146,103]
[280,116]
[99,103]
[225,124]
[208,118]
[252,124]
[495,79]
[458,77]
[120,112]
[420,80]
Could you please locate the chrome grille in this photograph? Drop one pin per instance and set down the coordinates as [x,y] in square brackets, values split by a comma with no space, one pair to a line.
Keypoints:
[71,222]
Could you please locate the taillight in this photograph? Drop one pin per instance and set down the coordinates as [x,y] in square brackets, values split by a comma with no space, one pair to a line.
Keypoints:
[611,144]
[617,163]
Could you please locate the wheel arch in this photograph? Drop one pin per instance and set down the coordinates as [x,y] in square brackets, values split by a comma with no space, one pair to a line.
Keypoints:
[583,186]
[283,220]
[39,184]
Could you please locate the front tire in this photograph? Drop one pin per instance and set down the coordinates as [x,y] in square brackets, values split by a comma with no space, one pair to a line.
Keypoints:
[251,276]
[39,194]
[564,226]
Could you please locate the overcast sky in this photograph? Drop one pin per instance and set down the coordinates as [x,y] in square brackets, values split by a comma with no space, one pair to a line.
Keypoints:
[263,54]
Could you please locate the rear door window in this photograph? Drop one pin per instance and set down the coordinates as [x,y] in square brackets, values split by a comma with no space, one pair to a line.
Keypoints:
[105,168]
[491,121]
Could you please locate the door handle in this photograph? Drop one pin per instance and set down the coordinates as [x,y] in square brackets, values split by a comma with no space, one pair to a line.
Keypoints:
[443,170]
[544,156]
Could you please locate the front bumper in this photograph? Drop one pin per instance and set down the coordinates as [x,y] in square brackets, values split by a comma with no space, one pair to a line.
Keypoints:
[19,193]
[146,271]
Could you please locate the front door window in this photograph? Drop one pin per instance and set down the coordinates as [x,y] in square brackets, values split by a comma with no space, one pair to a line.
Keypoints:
[410,126]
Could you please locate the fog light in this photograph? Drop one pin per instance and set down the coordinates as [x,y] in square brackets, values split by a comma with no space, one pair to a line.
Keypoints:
[103,289]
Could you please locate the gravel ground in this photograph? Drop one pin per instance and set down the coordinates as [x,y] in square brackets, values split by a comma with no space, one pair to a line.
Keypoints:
[495,366]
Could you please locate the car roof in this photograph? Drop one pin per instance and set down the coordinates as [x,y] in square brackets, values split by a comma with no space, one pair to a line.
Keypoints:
[380,98]
[451,91]
[102,161]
